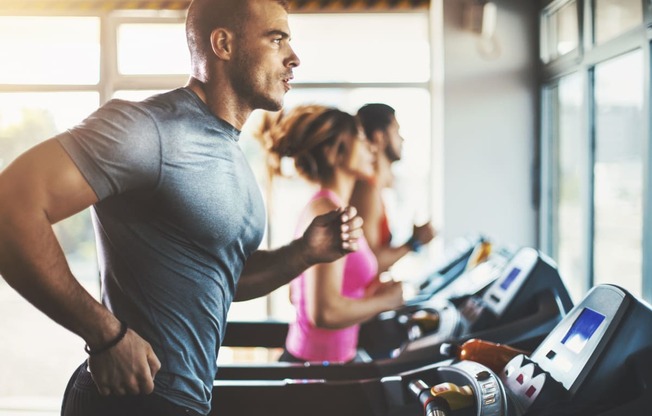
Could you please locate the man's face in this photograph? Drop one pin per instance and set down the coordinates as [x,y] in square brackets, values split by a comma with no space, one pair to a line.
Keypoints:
[263,59]
[393,141]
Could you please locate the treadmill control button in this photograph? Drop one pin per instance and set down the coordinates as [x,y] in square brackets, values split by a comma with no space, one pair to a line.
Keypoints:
[530,391]
[489,387]
[489,399]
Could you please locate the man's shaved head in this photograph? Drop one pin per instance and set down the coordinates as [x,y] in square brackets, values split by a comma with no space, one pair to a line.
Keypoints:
[205,15]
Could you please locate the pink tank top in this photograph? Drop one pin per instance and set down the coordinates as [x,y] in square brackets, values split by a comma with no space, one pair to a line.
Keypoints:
[309,343]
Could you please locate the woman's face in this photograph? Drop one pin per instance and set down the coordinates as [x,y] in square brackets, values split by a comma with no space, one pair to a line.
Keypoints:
[362,157]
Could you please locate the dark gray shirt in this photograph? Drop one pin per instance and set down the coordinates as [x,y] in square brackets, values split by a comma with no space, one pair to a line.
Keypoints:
[179,213]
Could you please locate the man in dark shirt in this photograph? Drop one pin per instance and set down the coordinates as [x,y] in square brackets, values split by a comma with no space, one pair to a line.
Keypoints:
[177,214]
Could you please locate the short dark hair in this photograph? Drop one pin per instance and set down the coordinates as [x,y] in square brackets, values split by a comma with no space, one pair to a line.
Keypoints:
[203,16]
[375,116]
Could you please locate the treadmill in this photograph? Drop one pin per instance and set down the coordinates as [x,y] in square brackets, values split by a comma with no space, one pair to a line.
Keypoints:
[519,308]
[466,252]
[382,336]
[597,361]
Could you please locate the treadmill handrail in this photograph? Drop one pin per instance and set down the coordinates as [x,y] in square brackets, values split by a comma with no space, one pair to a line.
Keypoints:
[268,334]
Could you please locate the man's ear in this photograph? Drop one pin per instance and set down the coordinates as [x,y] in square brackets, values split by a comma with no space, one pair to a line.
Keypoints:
[222,43]
[378,138]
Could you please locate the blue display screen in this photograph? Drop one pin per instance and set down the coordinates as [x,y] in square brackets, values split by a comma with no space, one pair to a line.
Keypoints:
[510,278]
[583,328]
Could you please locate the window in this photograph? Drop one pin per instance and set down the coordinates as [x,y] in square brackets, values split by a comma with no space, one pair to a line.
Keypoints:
[559,30]
[569,164]
[358,50]
[613,17]
[618,171]
[595,154]
[49,50]
[29,115]
[152,49]
[42,93]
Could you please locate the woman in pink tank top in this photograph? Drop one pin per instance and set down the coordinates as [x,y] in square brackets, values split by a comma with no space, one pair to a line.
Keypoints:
[330,299]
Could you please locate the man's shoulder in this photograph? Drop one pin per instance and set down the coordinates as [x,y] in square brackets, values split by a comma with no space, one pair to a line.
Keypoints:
[165,100]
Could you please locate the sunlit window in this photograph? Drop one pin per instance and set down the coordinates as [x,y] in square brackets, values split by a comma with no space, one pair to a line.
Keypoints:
[49,50]
[361,47]
[571,160]
[618,170]
[598,149]
[36,348]
[613,17]
[153,49]
[560,30]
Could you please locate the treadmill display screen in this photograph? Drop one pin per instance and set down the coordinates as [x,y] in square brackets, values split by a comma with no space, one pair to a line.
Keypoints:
[582,330]
[510,278]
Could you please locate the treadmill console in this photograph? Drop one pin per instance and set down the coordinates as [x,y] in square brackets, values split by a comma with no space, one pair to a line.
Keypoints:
[513,294]
[574,346]
[430,310]
[584,357]
[453,267]
[514,276]
[524,303]
[479,277]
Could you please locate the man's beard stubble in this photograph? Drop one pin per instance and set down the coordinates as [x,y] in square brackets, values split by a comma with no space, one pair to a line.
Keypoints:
[247,86]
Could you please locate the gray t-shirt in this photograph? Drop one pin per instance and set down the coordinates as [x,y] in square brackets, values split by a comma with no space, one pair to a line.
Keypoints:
[179,213]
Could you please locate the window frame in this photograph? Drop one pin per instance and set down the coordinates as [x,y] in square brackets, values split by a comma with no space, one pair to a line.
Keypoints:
[591,55]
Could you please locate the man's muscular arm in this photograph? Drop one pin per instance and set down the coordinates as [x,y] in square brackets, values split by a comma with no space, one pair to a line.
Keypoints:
[41,188]
[327,238]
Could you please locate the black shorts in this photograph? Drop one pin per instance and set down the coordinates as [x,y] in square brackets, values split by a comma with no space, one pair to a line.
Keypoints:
[81,398]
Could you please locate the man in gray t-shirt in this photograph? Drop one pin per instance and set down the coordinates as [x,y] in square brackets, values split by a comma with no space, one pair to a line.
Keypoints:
[178,218]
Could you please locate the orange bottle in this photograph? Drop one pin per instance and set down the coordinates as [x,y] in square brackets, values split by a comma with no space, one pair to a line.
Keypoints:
[492,355]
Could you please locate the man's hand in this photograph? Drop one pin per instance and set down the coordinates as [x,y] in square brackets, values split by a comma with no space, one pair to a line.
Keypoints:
[127,368]
[424,233]
[332,235]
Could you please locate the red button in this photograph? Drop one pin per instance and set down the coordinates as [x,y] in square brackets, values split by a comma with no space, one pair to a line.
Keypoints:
[519,379]
[530,391]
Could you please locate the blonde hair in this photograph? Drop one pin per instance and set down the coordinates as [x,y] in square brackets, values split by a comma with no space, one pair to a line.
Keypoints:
[310,134]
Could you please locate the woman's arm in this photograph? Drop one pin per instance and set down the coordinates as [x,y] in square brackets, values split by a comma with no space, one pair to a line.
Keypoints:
[327,307]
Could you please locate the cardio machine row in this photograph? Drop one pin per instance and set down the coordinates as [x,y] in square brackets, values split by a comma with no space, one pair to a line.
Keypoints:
[524,305]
